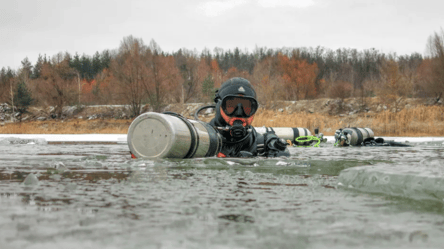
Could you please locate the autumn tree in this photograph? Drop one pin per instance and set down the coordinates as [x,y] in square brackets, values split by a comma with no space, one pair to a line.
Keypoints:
[341,90]
[130,74]
[435,47]
[425,79]
[102,90]
[217,73]
[394,84]
[299,77]
[57,85]
[268,82]
[193,70]
[164,77]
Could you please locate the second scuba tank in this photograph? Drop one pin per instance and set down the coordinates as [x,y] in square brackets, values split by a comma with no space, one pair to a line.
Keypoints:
[287,133]
[355,136]
[168,135]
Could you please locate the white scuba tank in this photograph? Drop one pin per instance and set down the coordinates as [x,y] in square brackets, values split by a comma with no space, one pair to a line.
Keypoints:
[355,136]
[156,135]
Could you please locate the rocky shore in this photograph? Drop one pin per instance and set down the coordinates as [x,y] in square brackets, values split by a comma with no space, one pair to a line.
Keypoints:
[334,107]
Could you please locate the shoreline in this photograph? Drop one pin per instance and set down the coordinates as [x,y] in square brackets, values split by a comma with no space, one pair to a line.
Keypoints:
[411,118]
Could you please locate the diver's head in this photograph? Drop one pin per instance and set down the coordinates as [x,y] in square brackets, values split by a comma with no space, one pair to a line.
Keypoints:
[236,101]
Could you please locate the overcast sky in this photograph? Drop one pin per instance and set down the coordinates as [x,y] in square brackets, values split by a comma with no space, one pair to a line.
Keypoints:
[29,28]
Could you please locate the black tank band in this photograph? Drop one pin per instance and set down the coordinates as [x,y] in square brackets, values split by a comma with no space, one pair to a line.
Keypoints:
[295,133]
[214,142]
[360,137]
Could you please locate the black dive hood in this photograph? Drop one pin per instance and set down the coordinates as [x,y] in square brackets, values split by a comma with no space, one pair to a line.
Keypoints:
[232,87]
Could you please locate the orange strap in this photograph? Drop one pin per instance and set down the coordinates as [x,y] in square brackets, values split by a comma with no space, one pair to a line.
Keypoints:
[221,155]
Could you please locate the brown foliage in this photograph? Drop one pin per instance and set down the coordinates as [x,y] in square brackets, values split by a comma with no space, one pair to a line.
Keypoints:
[143,74]
[163,77]
[193,70]
[425,82]
[130,73]
[68,127]
[267,81]
[419,121]
[299,78]
[57,85]
[216,73]
[435,82]
[340,89]
[394,84]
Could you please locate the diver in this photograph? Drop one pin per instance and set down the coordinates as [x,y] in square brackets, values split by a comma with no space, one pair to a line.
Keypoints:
[235,108]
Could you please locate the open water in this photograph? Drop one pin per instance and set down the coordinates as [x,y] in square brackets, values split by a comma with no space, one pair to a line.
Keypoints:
[95,196]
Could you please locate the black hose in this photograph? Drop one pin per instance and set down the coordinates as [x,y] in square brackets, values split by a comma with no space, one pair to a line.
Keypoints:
[196,117]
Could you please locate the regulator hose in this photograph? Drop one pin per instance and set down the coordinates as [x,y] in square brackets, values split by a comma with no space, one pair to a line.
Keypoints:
[196,114]
[304,139]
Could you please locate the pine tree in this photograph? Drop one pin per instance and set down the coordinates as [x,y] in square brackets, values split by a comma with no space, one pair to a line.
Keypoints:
[37,69]
[105,58]
[26,70]
[208,87]
[22,99]
[96,65]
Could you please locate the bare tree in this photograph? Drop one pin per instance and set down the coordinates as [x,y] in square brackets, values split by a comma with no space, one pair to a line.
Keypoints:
[193,70]
[130,73]
[163,76]
[435,47]
[57,85]
[267,80]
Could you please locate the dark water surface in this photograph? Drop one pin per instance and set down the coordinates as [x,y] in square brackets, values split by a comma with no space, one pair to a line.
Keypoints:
[95,196]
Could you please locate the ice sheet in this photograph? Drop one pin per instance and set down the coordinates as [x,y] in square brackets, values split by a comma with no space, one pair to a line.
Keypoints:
[421,181]
[118,138]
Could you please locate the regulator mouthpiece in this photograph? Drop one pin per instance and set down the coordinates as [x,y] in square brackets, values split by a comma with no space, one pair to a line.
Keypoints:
[238,130]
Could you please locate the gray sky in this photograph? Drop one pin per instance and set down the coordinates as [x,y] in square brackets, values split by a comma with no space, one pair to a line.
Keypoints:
[29,27]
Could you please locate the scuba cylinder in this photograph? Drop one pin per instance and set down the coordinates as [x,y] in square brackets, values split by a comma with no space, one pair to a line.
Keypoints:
[288,133]
[362,137]
[169,135]
[353,136]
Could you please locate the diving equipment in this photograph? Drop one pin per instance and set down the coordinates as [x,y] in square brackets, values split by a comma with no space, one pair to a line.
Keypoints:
[168,135]
[237,106]
[235,100]
[353,136]
[362,137]
[288,133]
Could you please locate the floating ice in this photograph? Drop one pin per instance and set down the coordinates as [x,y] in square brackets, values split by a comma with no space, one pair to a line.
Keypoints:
[15,140]
[282,163]
[59,166]
[423,181]
[31,179]
[70,186]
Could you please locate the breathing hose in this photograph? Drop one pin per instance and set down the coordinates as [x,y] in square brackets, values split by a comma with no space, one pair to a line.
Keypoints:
[196,114]
[305,139]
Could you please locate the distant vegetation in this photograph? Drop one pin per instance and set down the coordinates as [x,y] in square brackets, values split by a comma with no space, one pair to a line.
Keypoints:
[138,74]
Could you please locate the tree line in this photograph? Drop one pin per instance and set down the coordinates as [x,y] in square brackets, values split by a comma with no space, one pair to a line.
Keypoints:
[136,74]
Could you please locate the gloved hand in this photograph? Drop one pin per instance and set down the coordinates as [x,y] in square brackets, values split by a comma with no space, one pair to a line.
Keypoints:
[273,144]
